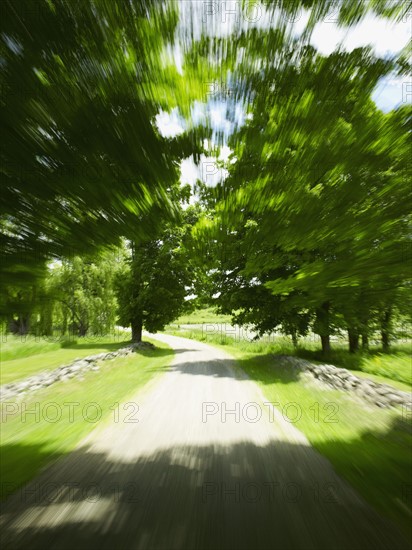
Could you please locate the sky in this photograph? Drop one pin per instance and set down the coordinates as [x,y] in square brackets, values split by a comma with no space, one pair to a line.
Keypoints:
[385,37]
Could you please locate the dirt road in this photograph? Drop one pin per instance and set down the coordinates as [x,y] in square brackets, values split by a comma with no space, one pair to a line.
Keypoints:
[191,475]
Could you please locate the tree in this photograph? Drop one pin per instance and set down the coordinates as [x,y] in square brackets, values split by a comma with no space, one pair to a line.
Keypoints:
[83,161]
[84,289]
[152,286]
[315,173]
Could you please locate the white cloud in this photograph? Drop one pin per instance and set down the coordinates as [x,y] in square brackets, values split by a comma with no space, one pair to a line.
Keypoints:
[208,170]
[218,118]
[392,92]
[170,124]
[189,171]
[211,173]
[198,112]
[385,37]
[225,153]
[222,116]
[299,25]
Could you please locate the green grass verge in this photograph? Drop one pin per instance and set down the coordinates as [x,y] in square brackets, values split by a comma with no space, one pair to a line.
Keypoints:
[29,443]
[388,368]
[383,380]
[368,446]
[22,358]
[395,366]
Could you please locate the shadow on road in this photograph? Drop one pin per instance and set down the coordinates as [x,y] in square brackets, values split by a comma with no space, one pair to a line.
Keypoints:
[243,496]
[255,366]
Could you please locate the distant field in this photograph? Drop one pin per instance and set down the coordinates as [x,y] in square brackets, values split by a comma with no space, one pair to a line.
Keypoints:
[206,315]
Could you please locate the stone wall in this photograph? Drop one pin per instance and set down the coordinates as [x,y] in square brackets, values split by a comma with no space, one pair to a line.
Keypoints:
[64,372]
[381,395]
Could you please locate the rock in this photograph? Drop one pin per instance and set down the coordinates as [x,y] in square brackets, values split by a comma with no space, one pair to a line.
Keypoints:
[76,367]
[63,367]
[366,389]
[97,357]
[382,390]
[345,374]
[81,364]
[380,395]
[395,398]
[143,345]
[21,386]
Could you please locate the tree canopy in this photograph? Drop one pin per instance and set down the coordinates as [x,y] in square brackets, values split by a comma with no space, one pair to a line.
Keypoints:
[309,230]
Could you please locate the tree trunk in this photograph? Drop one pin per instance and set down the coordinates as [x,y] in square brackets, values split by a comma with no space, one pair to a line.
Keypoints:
[13,326]
[24,324]
[82,330]
[353,341]
[364,327]
[64,323]
[325,339]
[294,340]
[323,330]
[46,322]
[137,327]
[385,330]
[385,341]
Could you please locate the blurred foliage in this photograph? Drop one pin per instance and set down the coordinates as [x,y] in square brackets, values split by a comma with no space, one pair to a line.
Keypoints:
[83,162]
[75,297]
[313,221]
[154,282]
[311,229]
